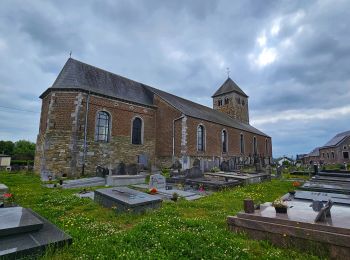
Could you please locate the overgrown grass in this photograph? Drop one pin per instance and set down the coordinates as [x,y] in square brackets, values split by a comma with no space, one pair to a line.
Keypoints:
[182,230]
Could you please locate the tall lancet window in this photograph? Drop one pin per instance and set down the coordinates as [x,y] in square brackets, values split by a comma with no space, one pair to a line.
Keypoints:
[255,145]
[102,126]
[242,143]
[137,131]
[200,138]
[224,141]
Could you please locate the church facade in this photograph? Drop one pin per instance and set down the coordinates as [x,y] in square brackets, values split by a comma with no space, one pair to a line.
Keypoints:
[92,117]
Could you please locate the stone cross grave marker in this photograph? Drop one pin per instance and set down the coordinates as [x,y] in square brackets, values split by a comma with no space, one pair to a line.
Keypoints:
[157,181]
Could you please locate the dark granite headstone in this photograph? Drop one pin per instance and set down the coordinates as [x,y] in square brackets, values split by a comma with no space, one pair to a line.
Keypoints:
[248,205]
[194,172]
[121,169]
[126,200]
[225,166]
[101,171]
[196,163]
[177,165]
[25,242]
[143,160]
[315,169]
[16,220]
[132,169]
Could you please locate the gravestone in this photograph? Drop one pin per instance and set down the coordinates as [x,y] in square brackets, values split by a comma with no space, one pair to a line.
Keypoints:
[131,169]
[196,163]
[16,220]
[121,169]
[194,172]
[279,172]
[157,181]
[124,199]
[315,169]
[225,166]
[143,160]
[24,233]
[232,164]
[101,171]
[324,212]
[177,165]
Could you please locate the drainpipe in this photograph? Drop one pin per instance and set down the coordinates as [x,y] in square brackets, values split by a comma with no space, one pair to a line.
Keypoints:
[176,119]
[85,132]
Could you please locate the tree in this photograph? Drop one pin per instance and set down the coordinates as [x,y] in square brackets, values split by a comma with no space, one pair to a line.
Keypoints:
[24,150]
[7,147]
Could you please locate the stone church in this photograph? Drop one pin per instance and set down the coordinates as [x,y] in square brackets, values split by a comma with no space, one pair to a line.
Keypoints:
[92,117]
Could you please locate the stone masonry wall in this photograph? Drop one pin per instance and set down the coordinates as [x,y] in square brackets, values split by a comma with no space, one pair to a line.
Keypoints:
[60,147]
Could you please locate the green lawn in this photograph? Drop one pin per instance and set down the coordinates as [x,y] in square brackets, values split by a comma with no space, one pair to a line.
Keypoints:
[182,230]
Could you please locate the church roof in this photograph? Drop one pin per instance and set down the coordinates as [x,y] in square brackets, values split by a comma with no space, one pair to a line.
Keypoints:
[196,110]
[337,139]
[78,75]
[229,86]
[81,76]
[315,152]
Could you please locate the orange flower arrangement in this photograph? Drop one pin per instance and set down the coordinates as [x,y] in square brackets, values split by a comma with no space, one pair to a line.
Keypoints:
[153,191]
[296,184]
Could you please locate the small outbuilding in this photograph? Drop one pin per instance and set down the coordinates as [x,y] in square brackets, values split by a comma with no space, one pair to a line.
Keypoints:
[5,162]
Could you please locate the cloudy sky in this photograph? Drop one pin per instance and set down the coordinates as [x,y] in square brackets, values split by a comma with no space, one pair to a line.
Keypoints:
[291,57]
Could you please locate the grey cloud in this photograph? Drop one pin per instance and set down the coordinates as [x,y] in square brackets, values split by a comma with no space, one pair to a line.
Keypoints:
[183,47]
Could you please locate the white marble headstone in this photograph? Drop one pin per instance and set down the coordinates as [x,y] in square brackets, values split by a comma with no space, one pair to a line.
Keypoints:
[157,181]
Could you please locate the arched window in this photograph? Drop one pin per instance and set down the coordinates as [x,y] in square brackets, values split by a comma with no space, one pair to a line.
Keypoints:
[242,143]
[137,131]
[220,102]
[255,146]
[224,141]
[227,101]
[200,138]
[102,126]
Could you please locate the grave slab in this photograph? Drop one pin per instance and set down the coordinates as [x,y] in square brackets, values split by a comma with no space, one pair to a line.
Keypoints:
[245,178]
[3,188]
[326,187]
[337,198]
[297,228]
[125,180]
[16,220]
[84,182]
[126,200]
[19,245]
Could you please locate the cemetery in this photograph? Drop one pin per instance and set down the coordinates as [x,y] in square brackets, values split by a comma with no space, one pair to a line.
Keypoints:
[314,218]
[74,210]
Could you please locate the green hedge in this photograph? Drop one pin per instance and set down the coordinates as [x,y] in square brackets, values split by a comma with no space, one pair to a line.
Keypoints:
[22,162]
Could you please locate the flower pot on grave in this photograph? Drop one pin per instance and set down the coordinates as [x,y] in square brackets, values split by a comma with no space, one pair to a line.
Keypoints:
[282,210]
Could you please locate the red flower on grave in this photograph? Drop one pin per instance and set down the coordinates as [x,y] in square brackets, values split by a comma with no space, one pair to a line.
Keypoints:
[7,195]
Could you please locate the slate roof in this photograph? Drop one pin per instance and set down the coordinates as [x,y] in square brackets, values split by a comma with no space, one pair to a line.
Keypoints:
[78,75]
[337,139]
[195,110]
[81,76]
[229,86]
[315,152]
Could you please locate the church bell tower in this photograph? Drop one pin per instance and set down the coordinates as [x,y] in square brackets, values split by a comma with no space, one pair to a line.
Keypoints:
[231,99]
